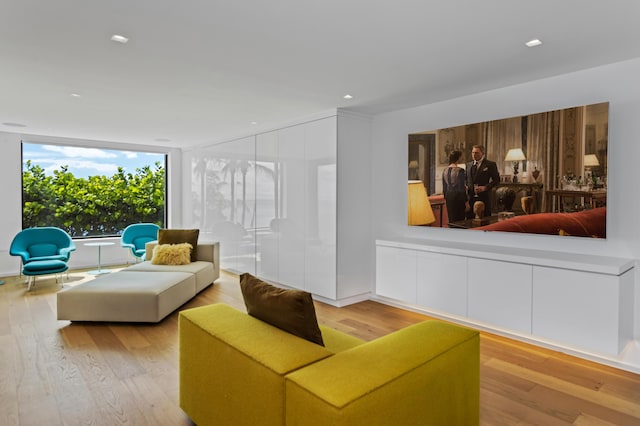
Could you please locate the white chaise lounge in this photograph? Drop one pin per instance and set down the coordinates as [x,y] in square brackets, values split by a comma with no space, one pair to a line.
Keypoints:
[142,292]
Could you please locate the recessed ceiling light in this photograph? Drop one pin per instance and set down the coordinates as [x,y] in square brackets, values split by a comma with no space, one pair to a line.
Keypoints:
[533,43]
[348,97]
[75,95]
[253,123]
[119,39]
[14,124]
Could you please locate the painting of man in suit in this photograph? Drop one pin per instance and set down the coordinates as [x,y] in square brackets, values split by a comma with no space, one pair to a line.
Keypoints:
[482,175]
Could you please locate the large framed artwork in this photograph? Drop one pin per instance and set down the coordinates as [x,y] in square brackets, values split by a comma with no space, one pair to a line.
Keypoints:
[552,170]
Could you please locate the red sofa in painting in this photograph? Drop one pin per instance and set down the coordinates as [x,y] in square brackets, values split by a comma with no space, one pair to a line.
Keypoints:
[439,210]
[586,223]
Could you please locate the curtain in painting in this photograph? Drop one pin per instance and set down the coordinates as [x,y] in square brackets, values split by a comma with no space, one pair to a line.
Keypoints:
[504,135]
[543,141]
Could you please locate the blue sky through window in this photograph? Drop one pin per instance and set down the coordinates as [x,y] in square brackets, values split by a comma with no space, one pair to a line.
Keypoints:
[84,162]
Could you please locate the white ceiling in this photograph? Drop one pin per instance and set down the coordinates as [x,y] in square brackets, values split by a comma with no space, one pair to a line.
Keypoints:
[198,71]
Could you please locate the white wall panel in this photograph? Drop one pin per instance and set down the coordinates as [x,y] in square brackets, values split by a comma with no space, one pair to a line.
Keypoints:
[321,207]
[355,253]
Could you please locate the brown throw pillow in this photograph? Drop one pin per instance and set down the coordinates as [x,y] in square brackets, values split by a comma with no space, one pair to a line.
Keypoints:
[177,236]
[171,254]
[289,310]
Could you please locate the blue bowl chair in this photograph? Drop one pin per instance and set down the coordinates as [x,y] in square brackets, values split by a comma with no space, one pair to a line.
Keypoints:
[43,251]
[136,236]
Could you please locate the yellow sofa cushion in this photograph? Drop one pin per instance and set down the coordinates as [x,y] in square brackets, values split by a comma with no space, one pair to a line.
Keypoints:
[172,254]
[424,374]
[336,341]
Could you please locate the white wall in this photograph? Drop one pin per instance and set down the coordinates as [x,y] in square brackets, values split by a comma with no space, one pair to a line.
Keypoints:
[11,200]
[615,83]
[355,255]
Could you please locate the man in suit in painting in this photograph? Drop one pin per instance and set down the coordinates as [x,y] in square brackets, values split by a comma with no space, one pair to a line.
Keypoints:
[482,175]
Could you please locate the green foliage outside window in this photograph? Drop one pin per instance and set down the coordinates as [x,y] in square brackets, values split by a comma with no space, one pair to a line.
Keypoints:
[93,206]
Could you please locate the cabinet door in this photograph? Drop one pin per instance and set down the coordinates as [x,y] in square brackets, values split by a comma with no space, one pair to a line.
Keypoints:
[442,282]
[229,203]
[268,179]
[396,273]
[500,293]
[292,222]
[593,311]
[320,205]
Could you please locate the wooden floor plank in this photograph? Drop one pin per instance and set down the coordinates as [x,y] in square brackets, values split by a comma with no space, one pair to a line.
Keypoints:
[508,410]
[587,420]
[156,406]
[114,403]
[131,337]
[493,346]
[8,379]
[621,405]
[563,405]
[114,353]
[499,381]
[74,397]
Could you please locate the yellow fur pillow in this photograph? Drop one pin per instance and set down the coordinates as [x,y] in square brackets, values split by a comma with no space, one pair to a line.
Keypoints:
[172,254]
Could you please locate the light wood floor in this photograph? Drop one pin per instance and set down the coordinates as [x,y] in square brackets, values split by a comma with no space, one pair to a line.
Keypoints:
[59,373]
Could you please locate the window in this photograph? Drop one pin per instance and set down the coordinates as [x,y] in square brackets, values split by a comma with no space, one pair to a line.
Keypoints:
[91,192]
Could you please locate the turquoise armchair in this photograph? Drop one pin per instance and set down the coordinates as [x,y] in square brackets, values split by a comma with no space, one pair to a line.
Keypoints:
[43,251]
[136,236]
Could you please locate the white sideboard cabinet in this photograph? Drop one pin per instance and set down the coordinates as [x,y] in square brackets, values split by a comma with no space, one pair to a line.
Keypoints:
[580,302]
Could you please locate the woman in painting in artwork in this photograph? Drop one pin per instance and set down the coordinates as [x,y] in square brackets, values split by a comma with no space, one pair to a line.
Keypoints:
[454,179]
